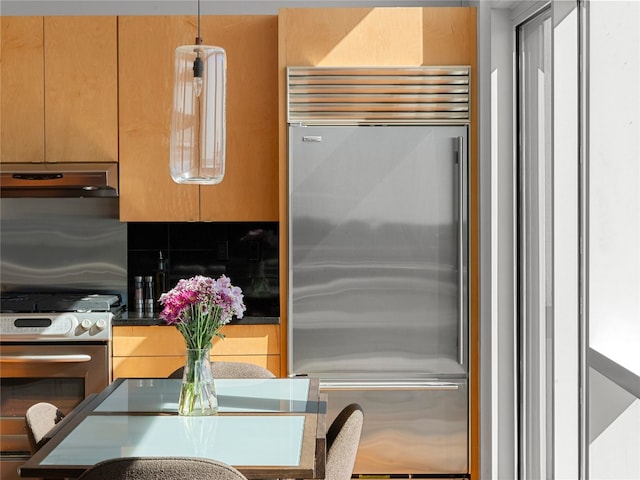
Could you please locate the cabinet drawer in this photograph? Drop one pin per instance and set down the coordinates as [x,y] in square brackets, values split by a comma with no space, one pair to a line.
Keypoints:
[158,367]
[140,341]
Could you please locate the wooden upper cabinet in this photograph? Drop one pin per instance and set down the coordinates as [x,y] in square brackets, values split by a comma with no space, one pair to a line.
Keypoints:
[147,191]
[380,36]
[81,89]
[249,190]
[22,89]
[59,89]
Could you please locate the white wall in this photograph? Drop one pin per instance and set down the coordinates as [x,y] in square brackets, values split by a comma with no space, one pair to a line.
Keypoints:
[613,236]
[614,183]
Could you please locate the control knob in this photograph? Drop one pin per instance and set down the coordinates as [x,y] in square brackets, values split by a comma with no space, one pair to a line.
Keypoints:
[85,324]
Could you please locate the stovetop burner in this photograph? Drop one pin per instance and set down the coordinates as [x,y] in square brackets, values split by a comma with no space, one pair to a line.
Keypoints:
[58,302]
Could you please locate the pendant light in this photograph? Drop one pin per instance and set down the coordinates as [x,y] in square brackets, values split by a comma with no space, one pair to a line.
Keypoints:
[198,123]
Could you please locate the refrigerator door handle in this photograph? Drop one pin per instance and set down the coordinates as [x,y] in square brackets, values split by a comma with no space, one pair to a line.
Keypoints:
[388,385]
[462,201]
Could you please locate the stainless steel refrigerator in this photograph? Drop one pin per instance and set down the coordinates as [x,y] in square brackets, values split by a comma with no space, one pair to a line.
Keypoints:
[378,295]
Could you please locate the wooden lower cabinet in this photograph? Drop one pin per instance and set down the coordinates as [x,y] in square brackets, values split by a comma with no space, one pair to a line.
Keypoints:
[156,351]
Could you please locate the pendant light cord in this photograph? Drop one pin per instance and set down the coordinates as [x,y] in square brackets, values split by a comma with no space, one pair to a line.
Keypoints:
[198,66]
[198,38]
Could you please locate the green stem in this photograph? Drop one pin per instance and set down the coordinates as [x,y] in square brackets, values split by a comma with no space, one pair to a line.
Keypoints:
[197,395]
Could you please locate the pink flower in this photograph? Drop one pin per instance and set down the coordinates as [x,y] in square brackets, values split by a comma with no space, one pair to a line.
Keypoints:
[200,306]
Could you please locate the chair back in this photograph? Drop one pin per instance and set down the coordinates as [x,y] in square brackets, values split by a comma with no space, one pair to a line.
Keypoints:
[343,439]
[161,468]
[232,370]
[40,418]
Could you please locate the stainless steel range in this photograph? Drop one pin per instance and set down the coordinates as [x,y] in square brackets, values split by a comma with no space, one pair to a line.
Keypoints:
[54,347]
[60,317]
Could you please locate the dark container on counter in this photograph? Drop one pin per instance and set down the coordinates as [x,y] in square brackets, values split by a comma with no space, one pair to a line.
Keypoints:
[162,278]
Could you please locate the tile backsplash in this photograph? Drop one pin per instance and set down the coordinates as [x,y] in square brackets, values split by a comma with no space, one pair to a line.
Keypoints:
[247,252]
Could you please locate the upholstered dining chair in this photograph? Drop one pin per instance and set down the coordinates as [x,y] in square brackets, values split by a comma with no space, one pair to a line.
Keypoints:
[232,370]
[343,440]
[161,468]
[40,418]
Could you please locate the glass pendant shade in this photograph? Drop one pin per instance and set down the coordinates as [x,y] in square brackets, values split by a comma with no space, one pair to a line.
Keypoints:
[198,124]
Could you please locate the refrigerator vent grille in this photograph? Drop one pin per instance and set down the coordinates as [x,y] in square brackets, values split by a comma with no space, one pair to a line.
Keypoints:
[378,95]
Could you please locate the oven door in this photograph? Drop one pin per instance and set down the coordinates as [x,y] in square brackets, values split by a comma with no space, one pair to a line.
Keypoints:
[62,374]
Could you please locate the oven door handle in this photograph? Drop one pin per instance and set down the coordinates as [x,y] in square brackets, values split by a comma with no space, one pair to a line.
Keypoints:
[45,358]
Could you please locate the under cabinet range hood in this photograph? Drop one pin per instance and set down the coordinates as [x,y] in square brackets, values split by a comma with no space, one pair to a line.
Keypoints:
[58,180]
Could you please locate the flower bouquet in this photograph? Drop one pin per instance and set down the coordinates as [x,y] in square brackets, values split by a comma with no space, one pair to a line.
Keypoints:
[199,307]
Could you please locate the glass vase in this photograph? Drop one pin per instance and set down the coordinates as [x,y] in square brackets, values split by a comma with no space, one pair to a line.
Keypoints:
[197,394]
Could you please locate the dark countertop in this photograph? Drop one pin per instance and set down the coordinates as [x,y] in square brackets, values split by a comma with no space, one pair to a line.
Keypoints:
[131,319]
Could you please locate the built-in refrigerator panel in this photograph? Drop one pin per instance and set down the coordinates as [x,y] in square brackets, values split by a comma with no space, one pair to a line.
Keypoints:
[378,228]
[409,428]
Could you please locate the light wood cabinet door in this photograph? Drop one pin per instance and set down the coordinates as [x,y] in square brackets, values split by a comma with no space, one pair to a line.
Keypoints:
[384,36]
[156,351]
[249,191]
[59,89]
[161,367]
[147,192]
[81,89]
[22,89]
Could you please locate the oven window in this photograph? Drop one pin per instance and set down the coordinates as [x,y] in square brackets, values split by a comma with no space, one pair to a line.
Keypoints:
[18,394]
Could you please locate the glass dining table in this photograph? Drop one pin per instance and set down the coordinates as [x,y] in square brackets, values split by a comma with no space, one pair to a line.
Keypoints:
[266,428]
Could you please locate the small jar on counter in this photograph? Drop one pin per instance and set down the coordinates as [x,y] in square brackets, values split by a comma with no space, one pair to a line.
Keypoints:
[149,296]
[139,294]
